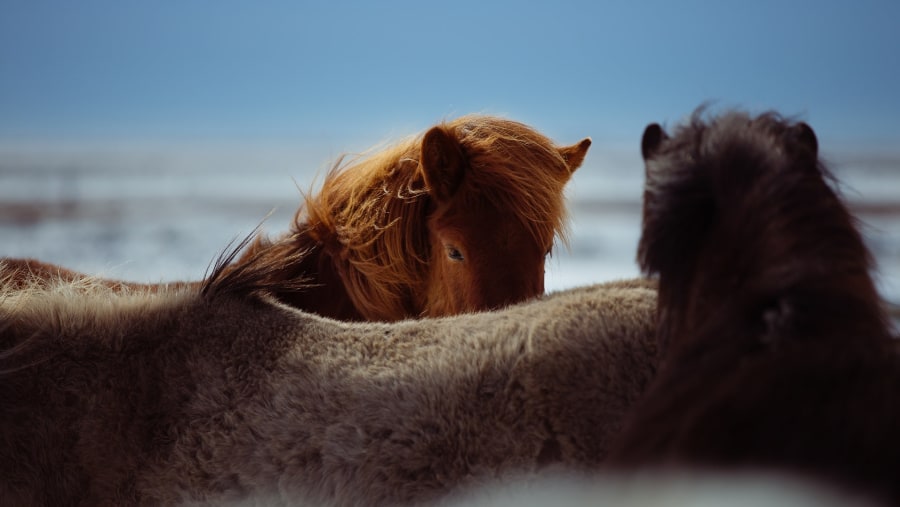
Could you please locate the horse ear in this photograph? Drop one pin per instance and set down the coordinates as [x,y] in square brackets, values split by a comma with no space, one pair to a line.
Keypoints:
[805,135]
[653,137]
[443,163]
[574,155]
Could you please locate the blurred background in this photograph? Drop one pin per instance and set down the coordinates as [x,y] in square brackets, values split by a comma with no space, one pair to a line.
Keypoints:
[138,138]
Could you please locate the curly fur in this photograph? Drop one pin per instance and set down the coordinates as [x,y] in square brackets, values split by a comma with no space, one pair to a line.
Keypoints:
[225,395]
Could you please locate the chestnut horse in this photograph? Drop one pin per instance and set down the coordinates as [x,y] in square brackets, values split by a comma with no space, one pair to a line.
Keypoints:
[458,219]
[777,354]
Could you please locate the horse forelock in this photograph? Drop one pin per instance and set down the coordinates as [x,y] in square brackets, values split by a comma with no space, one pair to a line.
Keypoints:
[517,169]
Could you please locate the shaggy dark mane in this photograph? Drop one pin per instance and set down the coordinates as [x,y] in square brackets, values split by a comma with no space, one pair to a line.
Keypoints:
[777,352]
[741,205]
[371,213]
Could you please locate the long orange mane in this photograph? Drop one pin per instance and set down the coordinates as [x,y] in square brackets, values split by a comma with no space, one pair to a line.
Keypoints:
[370,214]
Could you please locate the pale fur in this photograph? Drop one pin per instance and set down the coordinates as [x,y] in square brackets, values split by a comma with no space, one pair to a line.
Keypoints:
[660,488]
[183,397]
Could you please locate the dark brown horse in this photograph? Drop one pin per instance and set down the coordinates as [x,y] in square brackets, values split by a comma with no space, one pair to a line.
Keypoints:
[458,219]
[777,352]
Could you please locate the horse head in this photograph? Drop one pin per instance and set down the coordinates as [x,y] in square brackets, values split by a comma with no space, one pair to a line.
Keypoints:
[496,205]
[744,230]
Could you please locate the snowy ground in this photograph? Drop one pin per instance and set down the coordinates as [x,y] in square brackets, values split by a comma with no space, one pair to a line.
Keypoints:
[146,215]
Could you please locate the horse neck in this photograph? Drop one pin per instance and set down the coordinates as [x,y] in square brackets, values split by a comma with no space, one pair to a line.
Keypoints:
[336,285]
[362,289]
[373,245]
[809,268]
[323,293]
[818,258]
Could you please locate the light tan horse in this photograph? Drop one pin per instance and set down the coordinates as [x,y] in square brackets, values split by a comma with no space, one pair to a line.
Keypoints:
[225,395]
[457,219]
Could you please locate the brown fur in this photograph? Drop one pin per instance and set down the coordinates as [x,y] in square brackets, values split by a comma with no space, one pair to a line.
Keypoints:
[777,352]
[180,396]
[28,273]
[380,240]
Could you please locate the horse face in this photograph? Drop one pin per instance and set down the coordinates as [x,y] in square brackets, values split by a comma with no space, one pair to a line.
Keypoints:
[486,249]
[482,258]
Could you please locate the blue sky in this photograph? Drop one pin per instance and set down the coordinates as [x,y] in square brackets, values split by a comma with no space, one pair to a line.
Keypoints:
[274,70]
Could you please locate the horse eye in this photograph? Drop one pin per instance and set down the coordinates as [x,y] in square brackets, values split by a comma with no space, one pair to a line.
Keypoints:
[455,254]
